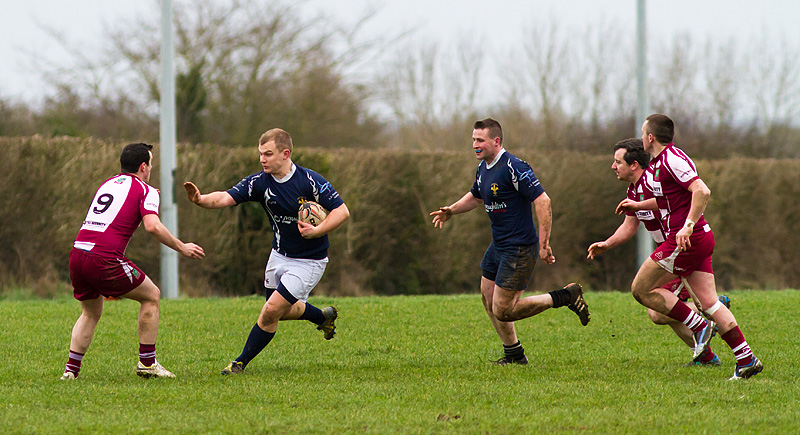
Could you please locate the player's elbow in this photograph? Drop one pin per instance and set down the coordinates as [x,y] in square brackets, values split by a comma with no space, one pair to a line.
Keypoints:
[151,224]
[344,212]
[700,188]
[542,201]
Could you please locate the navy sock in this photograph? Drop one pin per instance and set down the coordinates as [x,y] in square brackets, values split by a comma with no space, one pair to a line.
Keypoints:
[256,342]
[514,351]
[313,315]
[560,297]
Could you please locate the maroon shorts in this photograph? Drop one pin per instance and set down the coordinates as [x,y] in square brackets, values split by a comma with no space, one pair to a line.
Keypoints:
[675,286]
[93,275]
[682,263]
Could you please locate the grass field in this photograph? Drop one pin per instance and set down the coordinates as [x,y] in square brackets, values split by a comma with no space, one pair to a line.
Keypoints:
[398,365]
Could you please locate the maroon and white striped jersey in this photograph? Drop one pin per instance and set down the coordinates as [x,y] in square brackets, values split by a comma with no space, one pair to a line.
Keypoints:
[669,175]
[116,211]
[641,191]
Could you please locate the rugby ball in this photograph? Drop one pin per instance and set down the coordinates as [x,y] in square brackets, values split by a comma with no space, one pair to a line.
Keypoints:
[311,213]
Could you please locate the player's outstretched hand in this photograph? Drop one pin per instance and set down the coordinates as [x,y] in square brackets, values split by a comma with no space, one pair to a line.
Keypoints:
[192,192]
[192,250]
[441,216]
[596,249]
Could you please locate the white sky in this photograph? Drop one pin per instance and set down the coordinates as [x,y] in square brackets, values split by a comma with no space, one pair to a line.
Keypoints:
[81,23]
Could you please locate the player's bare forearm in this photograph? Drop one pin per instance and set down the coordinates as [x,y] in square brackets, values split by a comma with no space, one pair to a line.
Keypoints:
[335,219]
[156,228]
[624,232]
[211,200]
[544,215]
[700,196]
[466,203]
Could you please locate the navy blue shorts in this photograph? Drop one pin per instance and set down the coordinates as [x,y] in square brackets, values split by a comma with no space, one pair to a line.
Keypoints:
[510,268]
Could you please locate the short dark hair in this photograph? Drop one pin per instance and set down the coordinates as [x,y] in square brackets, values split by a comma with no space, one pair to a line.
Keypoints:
[634,151]
[495,130]
[661,127]
[282,139]
[133,155]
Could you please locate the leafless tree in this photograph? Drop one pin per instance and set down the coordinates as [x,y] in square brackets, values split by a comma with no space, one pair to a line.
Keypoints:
[243,65]
[674,87]
[722,74]
[429,86]
[774,80]
[604,70]
[538,74]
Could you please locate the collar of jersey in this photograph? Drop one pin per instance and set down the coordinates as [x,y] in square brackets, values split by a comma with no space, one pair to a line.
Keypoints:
[287,177]
[496,158]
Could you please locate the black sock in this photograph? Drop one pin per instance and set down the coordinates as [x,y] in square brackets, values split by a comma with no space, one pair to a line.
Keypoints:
[313,315]
[514,351]
[560,297]
[256,342]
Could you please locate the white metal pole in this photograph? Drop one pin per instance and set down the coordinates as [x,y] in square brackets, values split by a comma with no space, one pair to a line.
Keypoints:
[169,210]
[644,242]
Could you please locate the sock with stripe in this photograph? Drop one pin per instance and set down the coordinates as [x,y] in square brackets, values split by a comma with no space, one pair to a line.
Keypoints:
[74,362]
[741,350]
[708,355]
[147,354]
[515,351]
[682,313]
[256,342]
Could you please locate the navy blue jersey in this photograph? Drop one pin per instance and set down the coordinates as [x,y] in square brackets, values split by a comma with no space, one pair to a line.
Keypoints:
[281,200]
[507,188]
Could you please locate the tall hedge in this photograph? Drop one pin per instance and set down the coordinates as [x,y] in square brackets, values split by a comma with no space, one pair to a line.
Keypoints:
[389,245]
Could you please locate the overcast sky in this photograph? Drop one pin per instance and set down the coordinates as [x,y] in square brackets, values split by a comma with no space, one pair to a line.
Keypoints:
[81,23]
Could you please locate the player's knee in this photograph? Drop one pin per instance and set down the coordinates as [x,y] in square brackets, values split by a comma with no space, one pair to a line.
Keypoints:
[268,317]
[636,295]
[657,318]
[156,296]
[503,314]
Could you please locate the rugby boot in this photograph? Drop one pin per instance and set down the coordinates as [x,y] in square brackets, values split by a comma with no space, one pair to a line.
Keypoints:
[577,303]
[744,372]
[233,368]
[327,326]
[154,371]
[504,361]
[703,359]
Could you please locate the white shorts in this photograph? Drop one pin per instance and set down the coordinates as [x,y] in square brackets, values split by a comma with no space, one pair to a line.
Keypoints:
[298,275]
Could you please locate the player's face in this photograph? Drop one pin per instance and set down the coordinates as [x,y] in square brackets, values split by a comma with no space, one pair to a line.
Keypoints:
[485,147]
[272,160]
[621,168]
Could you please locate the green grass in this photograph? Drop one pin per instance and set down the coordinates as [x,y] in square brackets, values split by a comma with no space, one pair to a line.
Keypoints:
[397,365]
